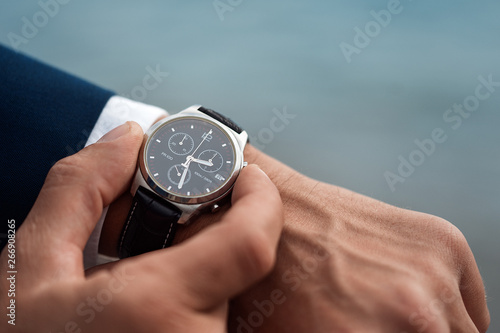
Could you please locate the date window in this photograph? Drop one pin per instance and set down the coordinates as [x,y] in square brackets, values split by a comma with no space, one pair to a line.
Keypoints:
[219,177]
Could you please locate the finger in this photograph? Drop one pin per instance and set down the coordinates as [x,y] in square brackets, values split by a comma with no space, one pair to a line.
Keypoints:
[227,257]
[459,321]
[473,293]
[72,198]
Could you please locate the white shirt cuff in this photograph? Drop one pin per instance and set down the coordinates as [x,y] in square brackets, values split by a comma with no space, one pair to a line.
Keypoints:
[117,111]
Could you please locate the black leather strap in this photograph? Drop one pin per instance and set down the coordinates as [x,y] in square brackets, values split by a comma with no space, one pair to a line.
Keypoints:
[150,225]
[217,116]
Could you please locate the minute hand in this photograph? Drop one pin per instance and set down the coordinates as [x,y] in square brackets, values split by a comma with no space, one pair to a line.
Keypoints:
[207,163]
[190,157]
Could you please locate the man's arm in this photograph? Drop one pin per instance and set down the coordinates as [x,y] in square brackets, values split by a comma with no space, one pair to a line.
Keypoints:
[46,115]
[345,261]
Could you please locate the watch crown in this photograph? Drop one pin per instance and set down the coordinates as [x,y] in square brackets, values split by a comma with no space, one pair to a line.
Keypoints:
[245,164]
[215,208]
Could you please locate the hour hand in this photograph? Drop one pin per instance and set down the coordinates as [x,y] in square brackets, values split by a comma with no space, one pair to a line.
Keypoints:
[207,163]
[183,178]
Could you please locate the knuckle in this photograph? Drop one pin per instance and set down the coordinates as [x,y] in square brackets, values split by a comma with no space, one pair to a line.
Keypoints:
[67,169]
[484,323]
[418,311]
[411,299]
[71,172]
[259,253]
[452,239]
[451,235]
[446,242]
[445,236]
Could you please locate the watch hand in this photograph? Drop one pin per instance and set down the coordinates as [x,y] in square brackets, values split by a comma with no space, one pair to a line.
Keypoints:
[208,163]
[210,160]
[190,157]
[182,142]
[178,173]
[183,178]
[192,154]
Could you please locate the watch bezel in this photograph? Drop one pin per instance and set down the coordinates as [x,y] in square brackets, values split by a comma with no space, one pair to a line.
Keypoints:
[193,200]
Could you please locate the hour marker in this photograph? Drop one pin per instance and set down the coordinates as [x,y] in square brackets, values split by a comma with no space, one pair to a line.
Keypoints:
[173,129]
[156,174]
[158,141]
[208,190]
[152,157]
[192,126]
[228,162]
[169,188]
[224,145]
[189,193]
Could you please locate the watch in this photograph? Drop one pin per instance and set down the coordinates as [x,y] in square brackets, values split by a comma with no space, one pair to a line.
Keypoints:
[188,164]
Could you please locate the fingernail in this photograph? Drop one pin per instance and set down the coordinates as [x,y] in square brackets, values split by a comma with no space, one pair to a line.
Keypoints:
[260,169]
[116,133]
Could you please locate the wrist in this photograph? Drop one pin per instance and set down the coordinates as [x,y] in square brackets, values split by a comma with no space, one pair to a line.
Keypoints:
[281,175]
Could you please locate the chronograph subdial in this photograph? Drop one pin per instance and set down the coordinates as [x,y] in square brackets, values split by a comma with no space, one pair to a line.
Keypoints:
[175,174]
[181,144]
[214,159]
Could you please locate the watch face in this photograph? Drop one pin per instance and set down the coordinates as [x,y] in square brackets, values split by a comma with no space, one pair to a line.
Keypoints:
[189,157]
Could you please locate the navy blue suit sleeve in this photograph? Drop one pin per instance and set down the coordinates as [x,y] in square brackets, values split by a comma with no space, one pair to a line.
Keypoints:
[46,115]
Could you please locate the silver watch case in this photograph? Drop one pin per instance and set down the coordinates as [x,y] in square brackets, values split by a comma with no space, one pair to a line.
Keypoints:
[192,206]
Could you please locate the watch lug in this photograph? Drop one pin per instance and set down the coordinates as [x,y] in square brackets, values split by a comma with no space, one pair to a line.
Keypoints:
[242,139]
[192,109]
[138,181]
[187,216]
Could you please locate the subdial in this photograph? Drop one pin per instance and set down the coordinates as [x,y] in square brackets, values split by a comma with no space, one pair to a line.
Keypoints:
[181,143]
[175,174]
[213,157]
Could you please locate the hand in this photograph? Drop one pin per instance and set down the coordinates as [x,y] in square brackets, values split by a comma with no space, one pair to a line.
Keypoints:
[207,163]
[349,263]
[182,141]
[148,293]
[191,157]
[183,177]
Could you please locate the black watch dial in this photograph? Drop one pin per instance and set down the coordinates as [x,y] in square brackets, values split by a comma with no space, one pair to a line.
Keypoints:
[189,157]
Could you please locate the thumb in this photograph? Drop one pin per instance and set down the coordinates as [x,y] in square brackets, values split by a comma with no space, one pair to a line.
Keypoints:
[52,237]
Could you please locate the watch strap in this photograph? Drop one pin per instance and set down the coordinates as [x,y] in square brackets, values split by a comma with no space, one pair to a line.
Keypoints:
[225,120]
[150,225]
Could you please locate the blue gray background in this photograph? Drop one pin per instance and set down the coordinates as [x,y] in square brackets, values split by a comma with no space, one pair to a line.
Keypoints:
[352,121]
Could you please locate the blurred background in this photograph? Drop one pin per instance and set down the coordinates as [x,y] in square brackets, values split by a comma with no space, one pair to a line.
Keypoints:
[358,87]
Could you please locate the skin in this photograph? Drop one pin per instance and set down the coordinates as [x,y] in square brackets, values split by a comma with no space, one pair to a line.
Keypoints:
[380,268]
[138,294]
[349,263]
[346,263]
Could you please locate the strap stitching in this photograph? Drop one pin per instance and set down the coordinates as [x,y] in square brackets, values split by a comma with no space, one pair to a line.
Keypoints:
[126,225]
[168,235]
